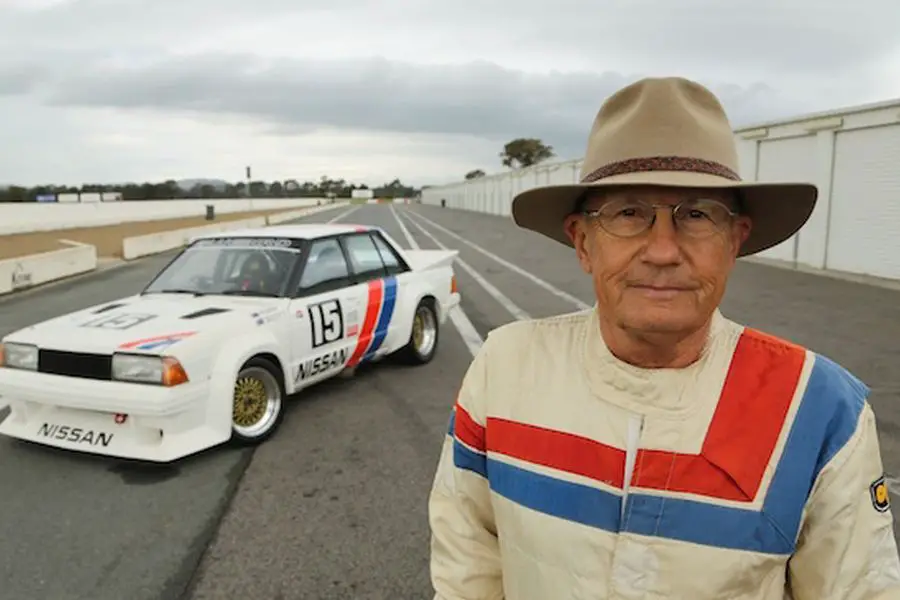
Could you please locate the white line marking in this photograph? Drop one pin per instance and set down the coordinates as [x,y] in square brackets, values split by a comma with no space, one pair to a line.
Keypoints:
[411,242]
[530,276]
[458,317]
[343,214]
[496,294]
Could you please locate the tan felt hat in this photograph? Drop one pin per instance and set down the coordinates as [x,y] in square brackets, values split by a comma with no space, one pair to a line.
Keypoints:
[668,132]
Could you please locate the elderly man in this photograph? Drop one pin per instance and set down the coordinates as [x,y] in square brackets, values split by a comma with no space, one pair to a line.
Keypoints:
[650,447]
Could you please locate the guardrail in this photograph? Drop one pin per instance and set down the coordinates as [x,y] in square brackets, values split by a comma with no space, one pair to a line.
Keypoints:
[28,217]
[23,272]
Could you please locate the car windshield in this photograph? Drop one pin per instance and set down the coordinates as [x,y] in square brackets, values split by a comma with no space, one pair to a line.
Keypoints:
[231,265]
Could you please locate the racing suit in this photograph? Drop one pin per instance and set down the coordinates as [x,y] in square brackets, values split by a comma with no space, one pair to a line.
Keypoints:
[753,474]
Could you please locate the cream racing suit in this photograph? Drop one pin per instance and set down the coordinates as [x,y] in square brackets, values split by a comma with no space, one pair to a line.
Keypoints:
[753,474]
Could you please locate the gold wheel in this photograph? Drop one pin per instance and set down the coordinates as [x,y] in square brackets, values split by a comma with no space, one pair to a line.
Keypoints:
[418,330]
[256,405]
[250,399]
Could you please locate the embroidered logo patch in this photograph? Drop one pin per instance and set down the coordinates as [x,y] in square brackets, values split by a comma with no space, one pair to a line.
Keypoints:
[879,493]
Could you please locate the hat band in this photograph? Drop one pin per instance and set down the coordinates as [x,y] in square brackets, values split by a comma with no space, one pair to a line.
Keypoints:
[661,163]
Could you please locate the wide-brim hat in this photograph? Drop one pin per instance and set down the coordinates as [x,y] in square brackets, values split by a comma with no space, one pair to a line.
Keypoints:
[669,132]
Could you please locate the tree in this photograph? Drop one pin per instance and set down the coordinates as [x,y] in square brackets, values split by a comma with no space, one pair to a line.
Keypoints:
[475,174]
[259,189]
[525,152]
[207,189]
[276,190]
[394,189]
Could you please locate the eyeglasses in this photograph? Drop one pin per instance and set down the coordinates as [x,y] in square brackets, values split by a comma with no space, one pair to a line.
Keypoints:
[629,218]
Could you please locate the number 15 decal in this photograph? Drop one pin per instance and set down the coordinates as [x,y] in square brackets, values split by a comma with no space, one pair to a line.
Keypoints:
[326,320]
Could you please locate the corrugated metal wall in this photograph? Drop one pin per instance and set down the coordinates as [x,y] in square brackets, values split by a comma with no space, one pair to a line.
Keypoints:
[853,157]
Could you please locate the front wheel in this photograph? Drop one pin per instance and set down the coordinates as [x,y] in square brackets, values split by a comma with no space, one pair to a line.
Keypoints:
[423,341]
[258,402]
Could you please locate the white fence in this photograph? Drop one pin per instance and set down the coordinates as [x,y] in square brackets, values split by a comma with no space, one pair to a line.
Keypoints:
[852,155]
[18,217]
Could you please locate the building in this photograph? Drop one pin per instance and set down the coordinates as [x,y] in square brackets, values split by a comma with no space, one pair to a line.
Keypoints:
[852,154]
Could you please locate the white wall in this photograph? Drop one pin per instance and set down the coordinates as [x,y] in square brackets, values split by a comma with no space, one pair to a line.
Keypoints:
[16,217]
[852,155]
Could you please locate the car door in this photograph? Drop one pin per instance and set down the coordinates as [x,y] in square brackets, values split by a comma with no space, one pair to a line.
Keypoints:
[381,294]
[324,307]
[398,332]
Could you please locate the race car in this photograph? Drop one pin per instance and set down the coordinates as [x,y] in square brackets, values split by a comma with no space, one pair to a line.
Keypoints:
[213,346]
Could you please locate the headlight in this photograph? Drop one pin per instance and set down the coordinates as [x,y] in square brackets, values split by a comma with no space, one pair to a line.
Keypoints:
[159,370]
[19,356]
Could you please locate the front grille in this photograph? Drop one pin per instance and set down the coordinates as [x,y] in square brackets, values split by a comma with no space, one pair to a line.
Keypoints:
[75,364]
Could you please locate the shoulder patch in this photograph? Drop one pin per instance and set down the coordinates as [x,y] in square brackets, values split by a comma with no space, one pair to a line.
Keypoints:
[880,496]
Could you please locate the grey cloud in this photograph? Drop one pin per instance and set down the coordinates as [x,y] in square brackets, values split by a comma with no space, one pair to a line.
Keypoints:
[801,37]
[772,37]
[100,23]
[480,99]
[20,79]
[765,58]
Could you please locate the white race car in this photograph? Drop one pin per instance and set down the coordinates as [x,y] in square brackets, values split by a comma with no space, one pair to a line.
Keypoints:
[211,348]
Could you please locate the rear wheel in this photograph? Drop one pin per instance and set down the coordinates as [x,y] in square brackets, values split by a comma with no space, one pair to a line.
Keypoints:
[257,403]
[423,340]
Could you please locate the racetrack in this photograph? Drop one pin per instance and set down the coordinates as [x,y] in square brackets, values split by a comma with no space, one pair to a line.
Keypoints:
[334,507]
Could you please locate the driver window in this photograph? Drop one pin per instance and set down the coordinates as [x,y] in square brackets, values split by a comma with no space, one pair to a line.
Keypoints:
[326,269]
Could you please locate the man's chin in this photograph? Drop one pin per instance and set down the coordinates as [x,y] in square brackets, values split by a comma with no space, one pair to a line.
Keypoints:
[659,320]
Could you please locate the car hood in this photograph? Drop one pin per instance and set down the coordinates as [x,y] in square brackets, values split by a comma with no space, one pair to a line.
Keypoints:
[149,324]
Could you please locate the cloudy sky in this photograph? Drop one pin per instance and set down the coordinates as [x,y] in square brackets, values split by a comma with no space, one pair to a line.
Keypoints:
[423,90]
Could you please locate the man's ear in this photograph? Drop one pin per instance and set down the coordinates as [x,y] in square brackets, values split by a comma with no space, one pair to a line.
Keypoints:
[577,233]
[570,225]
[742,227]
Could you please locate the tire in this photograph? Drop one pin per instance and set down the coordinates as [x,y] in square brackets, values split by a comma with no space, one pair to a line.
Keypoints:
[423,339]
[257,402]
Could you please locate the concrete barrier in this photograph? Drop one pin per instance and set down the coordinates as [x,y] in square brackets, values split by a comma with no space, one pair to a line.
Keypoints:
[19,217]
[154,243]
[294,214]
[23,272]
[305,212]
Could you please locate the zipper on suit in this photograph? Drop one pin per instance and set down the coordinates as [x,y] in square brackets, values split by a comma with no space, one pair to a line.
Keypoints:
[632,443]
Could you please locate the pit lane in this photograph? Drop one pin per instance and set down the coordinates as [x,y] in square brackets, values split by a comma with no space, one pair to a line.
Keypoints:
[334,506]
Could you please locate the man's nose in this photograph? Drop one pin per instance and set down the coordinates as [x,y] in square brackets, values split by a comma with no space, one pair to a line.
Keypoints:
[662,240]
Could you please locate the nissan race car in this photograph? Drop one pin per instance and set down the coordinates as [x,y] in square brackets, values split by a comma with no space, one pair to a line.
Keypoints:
[209,351]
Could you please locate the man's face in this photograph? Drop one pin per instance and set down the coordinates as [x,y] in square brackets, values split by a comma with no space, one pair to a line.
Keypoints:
[670,278]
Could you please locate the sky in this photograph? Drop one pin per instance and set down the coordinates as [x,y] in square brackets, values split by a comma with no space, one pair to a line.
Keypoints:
[105,91]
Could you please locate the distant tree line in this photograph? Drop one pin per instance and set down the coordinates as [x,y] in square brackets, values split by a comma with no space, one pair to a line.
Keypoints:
[518,154]
[203,189]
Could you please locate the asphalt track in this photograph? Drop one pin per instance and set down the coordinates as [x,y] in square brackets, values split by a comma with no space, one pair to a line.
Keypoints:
[334,506]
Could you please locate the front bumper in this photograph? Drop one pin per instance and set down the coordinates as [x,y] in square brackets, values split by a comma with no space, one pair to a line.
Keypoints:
[112,418]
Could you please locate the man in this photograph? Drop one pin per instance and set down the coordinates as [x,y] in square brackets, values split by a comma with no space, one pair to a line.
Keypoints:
[649,447]
[256,275]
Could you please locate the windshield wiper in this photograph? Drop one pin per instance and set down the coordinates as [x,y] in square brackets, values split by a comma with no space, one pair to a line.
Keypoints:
[248,293]
[194,293]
